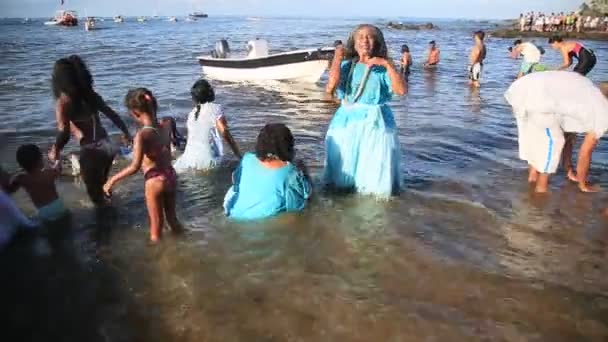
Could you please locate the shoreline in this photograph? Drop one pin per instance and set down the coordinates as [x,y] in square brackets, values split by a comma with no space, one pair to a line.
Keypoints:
[511,32]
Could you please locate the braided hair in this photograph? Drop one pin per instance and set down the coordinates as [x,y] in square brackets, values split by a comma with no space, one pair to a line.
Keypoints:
[201,92]
[275,141]
[141,99]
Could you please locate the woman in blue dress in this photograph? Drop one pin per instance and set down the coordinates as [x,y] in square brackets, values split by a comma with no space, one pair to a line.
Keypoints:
[362,146]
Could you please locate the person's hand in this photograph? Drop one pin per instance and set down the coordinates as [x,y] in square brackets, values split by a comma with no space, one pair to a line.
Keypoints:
[378,61]
[107,189]
[53,154]
[340,51]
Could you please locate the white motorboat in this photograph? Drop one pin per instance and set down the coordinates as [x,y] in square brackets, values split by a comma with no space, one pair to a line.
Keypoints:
[172,19]
[141,19]
[63,18]
[119,19]
[297,66]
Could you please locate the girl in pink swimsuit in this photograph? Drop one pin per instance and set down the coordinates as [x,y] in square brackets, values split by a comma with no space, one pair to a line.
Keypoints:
[151,154]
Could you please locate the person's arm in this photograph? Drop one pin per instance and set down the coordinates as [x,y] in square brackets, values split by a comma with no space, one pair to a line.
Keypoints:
[516,52]
[63,126]
[138,155]
[14,184]
[584,162]
[114,117]
[398,86]
[335,70]
[567,60]
[222,126]
[474,55]
[397,83]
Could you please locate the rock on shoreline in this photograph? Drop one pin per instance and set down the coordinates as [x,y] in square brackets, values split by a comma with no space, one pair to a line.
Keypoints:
[414,27]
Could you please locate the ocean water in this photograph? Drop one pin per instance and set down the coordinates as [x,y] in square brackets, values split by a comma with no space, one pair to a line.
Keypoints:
[465,253]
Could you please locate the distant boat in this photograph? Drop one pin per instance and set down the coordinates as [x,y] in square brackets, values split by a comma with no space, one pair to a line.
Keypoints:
[26,20]
[191,19]
[64,18]
[141,19]
[198,15]
[172,19]
[119,19]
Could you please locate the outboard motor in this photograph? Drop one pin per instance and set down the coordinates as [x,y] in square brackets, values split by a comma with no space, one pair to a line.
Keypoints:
[222,49]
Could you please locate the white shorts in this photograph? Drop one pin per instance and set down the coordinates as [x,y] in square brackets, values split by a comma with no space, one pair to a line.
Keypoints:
[540,145]
[475,71]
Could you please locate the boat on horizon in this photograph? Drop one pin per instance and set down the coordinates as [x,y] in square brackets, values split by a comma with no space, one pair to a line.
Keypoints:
[141,19]
[63,18]
[172,19]
[198,15]
[306,65]
[119,19]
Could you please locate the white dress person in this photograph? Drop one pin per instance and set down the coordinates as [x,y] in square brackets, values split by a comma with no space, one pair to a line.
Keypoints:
[547,104]
[204,149]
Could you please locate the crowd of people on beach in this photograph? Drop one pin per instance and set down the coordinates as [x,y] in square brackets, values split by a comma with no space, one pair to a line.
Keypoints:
[362,149]
[561,22]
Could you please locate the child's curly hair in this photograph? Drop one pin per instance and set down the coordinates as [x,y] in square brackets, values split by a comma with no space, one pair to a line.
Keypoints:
[142,100]
[275,141]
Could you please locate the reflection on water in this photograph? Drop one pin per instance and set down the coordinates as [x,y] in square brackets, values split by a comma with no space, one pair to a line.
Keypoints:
[465,253]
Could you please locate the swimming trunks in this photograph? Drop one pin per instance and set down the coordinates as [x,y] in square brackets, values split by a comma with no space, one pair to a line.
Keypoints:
[586,61]
[475,72]
[52,211]
[540,144]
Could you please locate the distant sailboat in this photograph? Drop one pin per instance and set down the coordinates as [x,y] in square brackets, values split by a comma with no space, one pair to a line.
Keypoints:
[197,12]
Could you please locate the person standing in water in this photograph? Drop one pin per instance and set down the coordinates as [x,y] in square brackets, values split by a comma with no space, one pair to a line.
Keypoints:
[433,55]
[572,49]
[207,126]
[151,154]
[586,61]
[548,104]
[531,56]
[77,108]
[406,62]
[476,58]
[362,145]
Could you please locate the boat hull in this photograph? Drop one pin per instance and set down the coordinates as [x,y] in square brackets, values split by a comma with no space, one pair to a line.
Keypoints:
[298,66]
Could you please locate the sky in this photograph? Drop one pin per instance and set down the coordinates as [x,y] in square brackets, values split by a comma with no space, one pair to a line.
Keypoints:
[473,9]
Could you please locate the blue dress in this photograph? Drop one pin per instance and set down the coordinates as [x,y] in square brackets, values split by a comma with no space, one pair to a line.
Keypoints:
[259,192]
[362,146]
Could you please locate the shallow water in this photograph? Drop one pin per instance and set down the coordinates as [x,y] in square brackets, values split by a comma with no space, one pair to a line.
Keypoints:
[465,253]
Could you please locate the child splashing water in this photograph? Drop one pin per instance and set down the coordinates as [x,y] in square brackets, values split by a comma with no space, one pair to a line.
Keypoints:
[151,154]
[39,183]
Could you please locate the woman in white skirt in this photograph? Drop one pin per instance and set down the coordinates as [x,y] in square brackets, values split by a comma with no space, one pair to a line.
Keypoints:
[206,127]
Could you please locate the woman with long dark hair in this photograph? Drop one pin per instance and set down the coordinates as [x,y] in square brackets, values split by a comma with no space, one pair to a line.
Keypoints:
[77,108]
[362,147]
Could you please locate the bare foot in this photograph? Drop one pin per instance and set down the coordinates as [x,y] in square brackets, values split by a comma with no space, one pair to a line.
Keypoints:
[541,190]
[572,176]
[154,239]
[588,188]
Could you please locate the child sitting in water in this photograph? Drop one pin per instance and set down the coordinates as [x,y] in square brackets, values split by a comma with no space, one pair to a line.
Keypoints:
[268,182]
[151,154]
[39,183]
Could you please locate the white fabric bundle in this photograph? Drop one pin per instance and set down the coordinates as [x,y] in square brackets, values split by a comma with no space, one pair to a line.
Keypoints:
[568,97]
